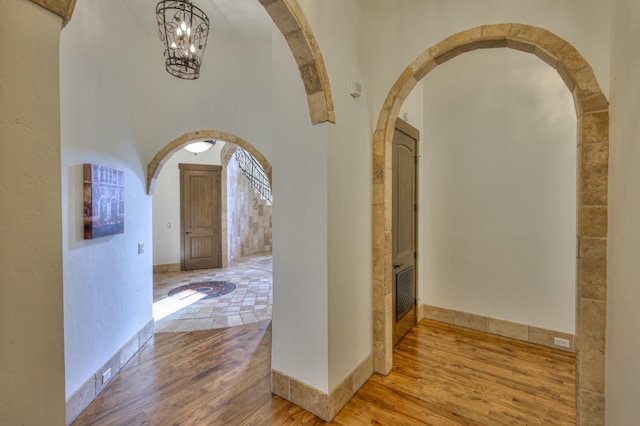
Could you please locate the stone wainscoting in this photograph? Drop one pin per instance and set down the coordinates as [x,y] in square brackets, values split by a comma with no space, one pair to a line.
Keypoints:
[513,330]
[90,389]
[323,405]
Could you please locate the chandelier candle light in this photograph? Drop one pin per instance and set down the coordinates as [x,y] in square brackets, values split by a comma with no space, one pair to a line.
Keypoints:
[183,30]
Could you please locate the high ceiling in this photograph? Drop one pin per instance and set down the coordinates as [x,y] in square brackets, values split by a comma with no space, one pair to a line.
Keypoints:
[235,16]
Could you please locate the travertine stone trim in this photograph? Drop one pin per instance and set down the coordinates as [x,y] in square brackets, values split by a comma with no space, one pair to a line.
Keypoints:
[90,389]
[592,109]
[325,406]
[62,8]
[155,166]
[169,267]
[513,330]
[472,321]
[293,24]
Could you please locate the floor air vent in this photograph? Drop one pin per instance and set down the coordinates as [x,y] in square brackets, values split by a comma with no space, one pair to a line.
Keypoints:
[405,297]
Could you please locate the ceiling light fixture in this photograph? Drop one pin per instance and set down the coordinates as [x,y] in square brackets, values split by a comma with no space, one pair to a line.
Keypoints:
[200,146]
[183,30]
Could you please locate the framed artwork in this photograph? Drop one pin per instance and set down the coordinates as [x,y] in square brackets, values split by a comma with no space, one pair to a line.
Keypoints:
[103,201]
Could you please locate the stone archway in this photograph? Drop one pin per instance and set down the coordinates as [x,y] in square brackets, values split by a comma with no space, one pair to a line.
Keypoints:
[155,166]
[292,23]
[592,109]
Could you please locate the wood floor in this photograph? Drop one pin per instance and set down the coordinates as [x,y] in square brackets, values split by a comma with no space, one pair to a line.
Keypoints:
[443,375]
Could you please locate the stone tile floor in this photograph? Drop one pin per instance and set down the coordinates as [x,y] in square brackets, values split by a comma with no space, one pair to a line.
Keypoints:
[250,302]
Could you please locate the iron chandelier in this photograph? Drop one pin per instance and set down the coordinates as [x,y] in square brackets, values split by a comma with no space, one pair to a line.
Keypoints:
[183,29]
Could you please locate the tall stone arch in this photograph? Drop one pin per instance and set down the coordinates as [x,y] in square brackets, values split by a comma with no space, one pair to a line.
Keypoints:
[592,109]
[292,23]
[155,166]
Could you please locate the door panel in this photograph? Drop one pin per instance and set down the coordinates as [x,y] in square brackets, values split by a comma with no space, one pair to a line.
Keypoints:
[201,241]
[404,228]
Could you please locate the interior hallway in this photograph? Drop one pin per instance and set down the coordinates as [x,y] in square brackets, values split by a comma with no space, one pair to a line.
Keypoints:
[249,302]
[443,375]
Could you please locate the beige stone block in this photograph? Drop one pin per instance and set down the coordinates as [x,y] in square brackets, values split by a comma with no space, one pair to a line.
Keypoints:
[547,57]
[593,221]
[592,342]
[543,336]
[592,272]
[319,109]
[595,103]
[445,50]
[550,42]
[494,36]
[524,33]
[472,321]
[423,65]
[378,194]
[310,78]
[594,169]
[340,395]
[594,127]
[280,384]
[523,46]
[509,329]
[81,399]
[496,31]
[592,409]
[469,37]
[566,76]
[586,83]
[309,398]
[384,118]
[591,367]
[362,372]
[437,313]
[282,17]
[570,59]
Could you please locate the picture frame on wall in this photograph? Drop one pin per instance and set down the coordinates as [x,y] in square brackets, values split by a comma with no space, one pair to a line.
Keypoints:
[103,201]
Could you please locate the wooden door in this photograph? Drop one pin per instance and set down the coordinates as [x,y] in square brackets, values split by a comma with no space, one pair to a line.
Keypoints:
[405,145]
[200,217]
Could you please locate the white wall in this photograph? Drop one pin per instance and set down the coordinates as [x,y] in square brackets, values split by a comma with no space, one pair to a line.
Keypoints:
[31,315]
[300,316]
[336,24]
[396,32]
[623,315]
[166,203]
[499,187]
[119,108]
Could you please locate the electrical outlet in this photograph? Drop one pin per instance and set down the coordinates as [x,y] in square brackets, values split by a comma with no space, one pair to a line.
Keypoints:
[561,342]
[140,248]
[106,376]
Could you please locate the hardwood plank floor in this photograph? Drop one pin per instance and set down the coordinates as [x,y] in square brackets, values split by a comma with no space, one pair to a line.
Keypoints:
[443,375]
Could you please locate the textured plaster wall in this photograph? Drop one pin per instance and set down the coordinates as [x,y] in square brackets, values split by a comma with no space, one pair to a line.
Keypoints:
[299,161]
[623,315]
[499,187]
[31,314]
[121,116]
[337,27]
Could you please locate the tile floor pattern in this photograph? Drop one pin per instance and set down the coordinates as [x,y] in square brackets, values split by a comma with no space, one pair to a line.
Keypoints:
[250,302]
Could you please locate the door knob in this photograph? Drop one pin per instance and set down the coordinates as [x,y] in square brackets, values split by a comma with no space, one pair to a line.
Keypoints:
[188,232]
[397,265]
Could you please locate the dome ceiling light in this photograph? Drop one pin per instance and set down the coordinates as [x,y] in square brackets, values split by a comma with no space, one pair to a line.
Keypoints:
[183,29]
[200,146]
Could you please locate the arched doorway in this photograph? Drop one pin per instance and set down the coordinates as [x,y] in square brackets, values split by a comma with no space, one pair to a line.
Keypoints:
[592,109]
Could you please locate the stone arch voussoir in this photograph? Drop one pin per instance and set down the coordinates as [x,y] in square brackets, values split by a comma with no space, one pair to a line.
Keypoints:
[592,109]
[155,166]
